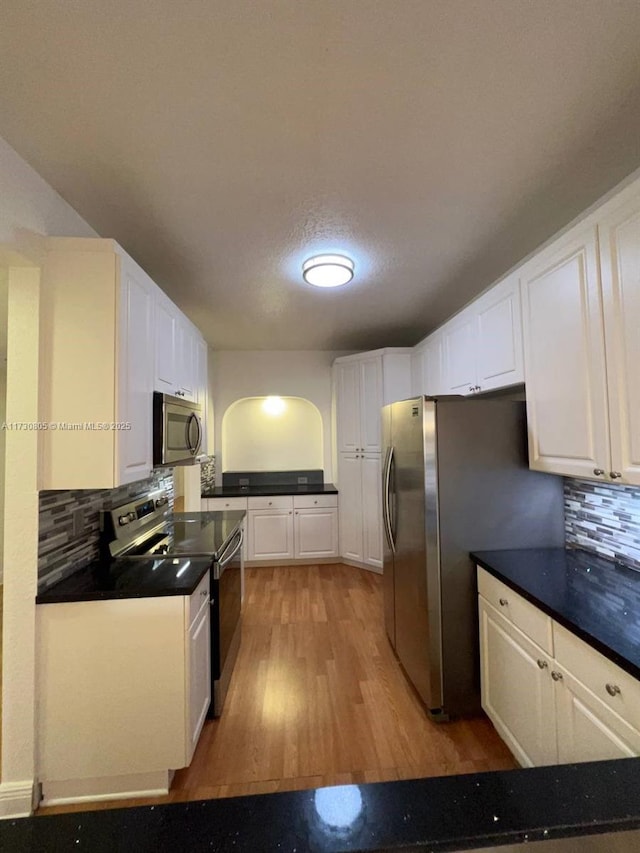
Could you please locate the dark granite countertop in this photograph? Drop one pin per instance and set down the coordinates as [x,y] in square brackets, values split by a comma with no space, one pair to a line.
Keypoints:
[269,490]
[444,814]
[595,598]
[195,536]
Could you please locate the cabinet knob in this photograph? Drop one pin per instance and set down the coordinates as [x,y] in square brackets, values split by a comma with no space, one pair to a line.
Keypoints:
[471,389]
[290,512]
[477,388]
[270,503]
[542,663]
[615,475]
[503,602]
[315,502]
[557,676]
[296,512]
[598,472]
[612,689]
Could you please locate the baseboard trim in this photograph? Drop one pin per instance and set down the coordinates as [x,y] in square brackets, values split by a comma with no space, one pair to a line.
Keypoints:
[100,789]
[318,561]
[377,570]
[16,799]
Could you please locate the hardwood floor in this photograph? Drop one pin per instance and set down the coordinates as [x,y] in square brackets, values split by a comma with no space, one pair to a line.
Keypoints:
[318,698]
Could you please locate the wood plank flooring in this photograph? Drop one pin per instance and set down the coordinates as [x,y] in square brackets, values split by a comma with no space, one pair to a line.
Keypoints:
[318,698]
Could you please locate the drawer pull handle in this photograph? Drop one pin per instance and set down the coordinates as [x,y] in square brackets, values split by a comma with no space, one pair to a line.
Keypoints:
[503,602]
[557,676]
[542,664]
[612,689]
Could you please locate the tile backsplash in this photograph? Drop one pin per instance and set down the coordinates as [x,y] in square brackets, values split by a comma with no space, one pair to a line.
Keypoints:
[208,474]
[603,518]
[60,552]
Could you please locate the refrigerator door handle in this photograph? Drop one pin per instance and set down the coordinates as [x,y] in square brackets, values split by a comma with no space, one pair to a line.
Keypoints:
[386,499]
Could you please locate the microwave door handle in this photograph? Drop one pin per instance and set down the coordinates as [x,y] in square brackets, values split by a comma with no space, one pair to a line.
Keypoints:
[193,448]
[200,431]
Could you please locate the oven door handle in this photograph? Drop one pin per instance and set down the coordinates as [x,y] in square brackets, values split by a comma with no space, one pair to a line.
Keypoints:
[226,558]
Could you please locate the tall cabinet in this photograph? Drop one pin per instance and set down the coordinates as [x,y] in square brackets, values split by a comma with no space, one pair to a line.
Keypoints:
[363,384]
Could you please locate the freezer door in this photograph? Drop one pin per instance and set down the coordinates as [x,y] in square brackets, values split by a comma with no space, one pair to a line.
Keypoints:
[387,497]
[416,575]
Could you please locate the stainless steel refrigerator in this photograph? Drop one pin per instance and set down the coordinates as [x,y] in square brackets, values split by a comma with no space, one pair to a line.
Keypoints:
[455,479]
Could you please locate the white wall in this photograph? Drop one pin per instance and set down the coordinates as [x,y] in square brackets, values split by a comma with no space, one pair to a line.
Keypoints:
[284,374]
[29,211]
[254,439]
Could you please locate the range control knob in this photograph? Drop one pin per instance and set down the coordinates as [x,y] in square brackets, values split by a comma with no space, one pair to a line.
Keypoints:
[161,501]
[124,519]
[132,516]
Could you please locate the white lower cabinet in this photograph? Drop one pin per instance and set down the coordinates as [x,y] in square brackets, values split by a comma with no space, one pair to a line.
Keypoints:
[360,481]
[285,527]
[517,693]
[138,670]
[270,534]
[568,706]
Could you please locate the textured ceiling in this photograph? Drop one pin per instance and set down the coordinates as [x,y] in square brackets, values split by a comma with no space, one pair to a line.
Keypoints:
[435,141]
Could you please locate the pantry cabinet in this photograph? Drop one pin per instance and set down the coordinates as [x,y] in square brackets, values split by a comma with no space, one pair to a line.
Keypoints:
[363,384]
[361,508]
[581,298]
[551,696]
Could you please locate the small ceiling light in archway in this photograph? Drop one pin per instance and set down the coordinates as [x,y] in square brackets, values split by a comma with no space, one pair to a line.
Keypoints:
[328,270]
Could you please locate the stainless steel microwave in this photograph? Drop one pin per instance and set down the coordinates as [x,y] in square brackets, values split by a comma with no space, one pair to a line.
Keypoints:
[177,430]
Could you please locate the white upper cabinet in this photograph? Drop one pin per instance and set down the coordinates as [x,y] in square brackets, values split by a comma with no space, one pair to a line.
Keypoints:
[96,384]
[432,365]
[108,339]
[582,347]
[134,457]
[187,360]
[363,384]
[165,344]
[499,358]
[564,357]
[619,232]
[459,342]
[482,346]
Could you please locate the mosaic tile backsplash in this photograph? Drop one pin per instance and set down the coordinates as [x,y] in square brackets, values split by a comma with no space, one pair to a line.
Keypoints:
[603,518]
[208,474]
[60,552]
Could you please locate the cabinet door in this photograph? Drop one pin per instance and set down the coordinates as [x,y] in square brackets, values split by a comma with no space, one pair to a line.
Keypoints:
[499,361]
[371,467]
[370,404]
[619,230]
[517,690]
[564,358]
[187,360]
[135,375]
[316,533]
[459,341]
[350,506]
[166,361]
[432,366]
[270,534]
[587,729]
[199,674]
[202,386]
[347,381]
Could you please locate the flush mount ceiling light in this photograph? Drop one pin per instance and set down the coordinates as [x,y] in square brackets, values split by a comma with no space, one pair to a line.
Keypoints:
[328,270]
[274,406]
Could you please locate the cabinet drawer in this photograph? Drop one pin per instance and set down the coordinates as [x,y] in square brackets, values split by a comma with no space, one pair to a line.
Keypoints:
[222,504]
[311,501]
[525,616]
[198,598]
[596,671]
[272,502]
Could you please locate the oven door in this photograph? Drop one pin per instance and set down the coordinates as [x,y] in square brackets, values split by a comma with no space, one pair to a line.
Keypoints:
[177,429]
[227,594]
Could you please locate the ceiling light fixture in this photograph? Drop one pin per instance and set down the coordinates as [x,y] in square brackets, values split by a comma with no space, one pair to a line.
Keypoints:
[328,270]
[274,406]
